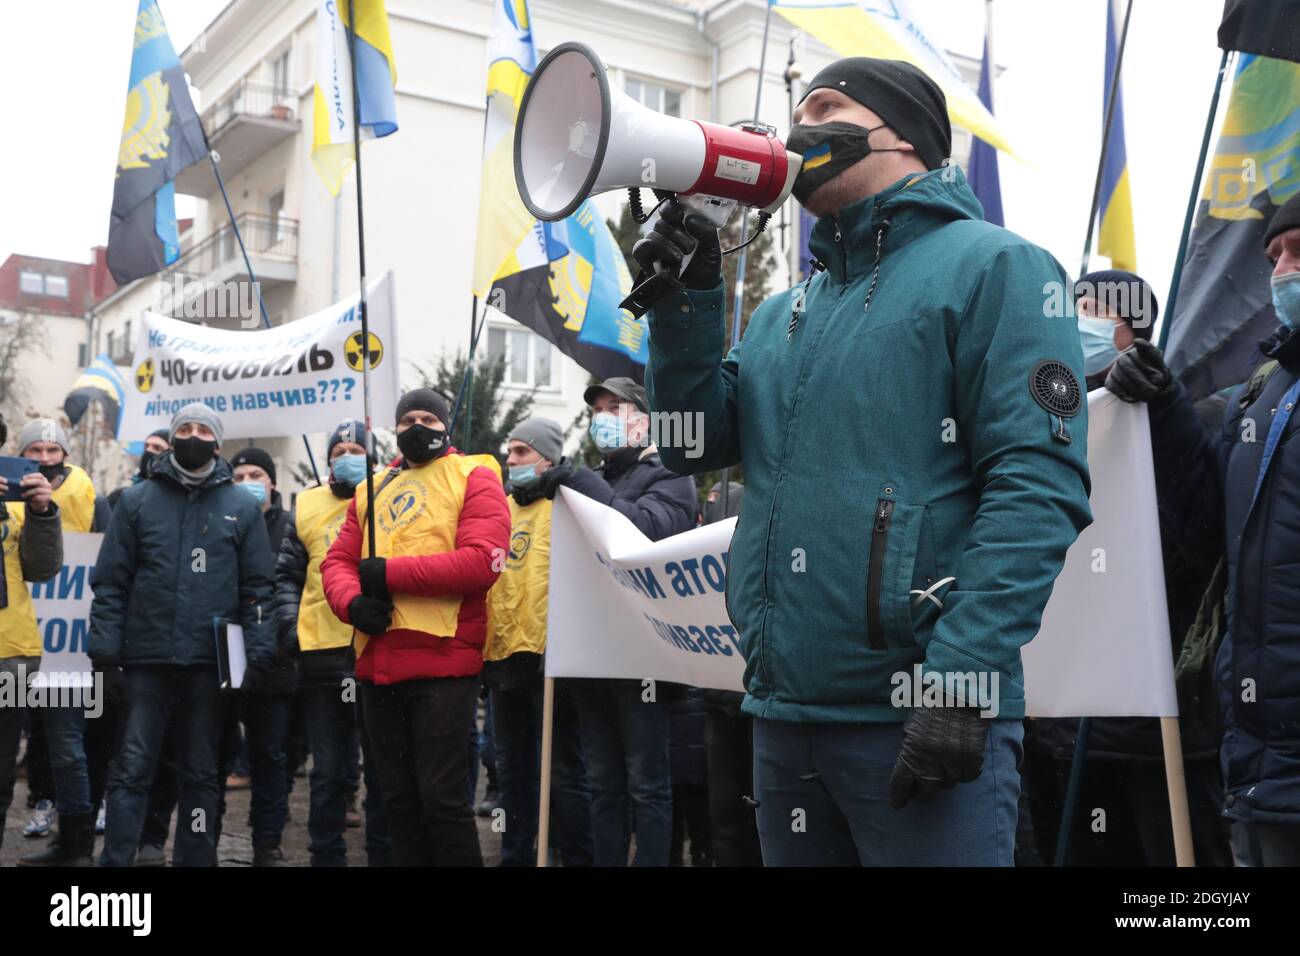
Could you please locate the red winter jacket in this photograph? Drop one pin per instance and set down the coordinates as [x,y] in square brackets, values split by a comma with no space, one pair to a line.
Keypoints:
[482,535]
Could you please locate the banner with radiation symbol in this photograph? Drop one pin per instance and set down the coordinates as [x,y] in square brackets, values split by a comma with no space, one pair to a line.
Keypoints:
[293,379]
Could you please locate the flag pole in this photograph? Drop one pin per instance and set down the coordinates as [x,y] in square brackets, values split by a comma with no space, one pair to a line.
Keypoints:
[1172,298]
[361,254]
[1107,126]
[1176,782]
[248,267]
[544,784]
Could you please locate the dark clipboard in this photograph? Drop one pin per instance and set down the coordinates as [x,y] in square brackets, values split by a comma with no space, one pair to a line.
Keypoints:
[228,637]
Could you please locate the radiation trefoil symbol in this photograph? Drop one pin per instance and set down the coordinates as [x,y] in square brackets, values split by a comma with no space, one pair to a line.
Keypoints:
[352,351]
[144,376]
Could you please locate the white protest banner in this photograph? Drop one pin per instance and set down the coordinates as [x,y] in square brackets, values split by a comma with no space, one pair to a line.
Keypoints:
[62,607]
[623,606]
[300,377]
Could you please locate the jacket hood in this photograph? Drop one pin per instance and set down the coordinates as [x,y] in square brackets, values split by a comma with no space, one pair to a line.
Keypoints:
[165,467]
[846,244]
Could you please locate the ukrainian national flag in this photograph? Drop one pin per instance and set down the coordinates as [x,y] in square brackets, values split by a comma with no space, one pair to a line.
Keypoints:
[161,135]
[1115,237]
[99,381]
[332,150]
[564,280]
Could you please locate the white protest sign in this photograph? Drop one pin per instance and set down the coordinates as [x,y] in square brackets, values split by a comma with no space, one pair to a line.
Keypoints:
[300,377]
[62,607]
[624,606]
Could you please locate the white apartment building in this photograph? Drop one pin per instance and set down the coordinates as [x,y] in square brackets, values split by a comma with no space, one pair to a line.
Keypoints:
[252,72]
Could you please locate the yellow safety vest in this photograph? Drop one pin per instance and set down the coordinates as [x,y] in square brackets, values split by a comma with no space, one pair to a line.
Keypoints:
[76,500]
[417,513]
[517,602]
[18,634]
[318,515]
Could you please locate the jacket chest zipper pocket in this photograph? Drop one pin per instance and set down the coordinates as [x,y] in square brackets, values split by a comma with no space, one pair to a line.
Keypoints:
[879,539]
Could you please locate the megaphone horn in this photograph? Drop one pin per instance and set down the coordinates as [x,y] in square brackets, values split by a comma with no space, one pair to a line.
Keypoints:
[576,137]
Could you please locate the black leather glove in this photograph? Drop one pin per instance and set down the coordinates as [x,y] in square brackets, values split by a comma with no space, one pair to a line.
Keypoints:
[256,677]
[374,578]
[112,682]
[370,615]
[1139,374]
[549,481]
[673,237]
[942,747]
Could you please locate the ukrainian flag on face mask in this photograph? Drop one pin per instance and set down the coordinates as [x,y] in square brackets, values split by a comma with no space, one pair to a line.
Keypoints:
[161,135]
[817,156]
[332,136]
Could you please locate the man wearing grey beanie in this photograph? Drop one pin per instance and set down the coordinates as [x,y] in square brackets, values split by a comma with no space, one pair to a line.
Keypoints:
[185,549]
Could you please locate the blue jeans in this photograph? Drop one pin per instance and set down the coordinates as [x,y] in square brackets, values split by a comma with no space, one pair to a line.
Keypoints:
[823,800]
[517,730]
[65,736]
[626,744]
[155,696]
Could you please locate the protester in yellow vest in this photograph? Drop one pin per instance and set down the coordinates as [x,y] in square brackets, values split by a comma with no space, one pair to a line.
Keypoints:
[512,668]
[58,777]
[323,646]
[419,605]
[31,542]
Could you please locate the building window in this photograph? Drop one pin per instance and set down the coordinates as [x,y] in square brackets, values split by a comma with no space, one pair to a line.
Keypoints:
[529,358]
[82,360]
[57,286]
[280,76]
[275,209]
[126,335]
[33,283]
[655,96]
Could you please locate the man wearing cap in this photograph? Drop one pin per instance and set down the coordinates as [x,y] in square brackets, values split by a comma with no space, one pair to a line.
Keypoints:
[624,725]
[322,647]
[512,667]
[185,549]
[1238,492]
[31,549]
[418,606]
[159,441]
[912,427]
[57,769]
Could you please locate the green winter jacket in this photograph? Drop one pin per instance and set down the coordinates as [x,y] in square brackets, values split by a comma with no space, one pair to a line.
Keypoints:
[890,440]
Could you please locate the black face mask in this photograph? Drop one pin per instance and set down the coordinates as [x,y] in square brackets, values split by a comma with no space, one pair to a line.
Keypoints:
[52,473]
[194,452]
[342,489]
[827,150]
[420,444]
[147,458]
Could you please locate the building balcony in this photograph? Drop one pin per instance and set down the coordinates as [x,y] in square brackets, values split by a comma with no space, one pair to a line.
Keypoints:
[272,245]
[242,126]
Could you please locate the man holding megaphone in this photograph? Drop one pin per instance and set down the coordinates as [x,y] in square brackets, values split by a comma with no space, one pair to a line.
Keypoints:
[913,435]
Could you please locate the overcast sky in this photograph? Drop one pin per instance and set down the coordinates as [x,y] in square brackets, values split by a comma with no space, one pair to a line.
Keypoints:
[69,59]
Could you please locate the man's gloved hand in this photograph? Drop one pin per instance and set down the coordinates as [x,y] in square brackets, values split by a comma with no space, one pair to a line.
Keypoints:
[374,578]
[942,747]
[370,615]
[113,681]
[671,240]
[1139,374]
[549,481]
[256,677]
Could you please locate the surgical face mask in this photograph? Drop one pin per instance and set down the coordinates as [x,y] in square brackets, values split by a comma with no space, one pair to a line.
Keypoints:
[827,150]
[194,452]
[607,431]
[420,443]
[256,489]
[1097,336]
[349,469]
[521,476]
[1286,298]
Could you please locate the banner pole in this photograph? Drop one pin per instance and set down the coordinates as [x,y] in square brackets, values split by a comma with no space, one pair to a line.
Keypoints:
[1172,299]
[544,792]
[1179,815]
[1107,125]
[248,267]
[361,256]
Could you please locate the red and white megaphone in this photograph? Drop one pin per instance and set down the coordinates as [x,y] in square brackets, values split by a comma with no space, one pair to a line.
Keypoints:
[576,137]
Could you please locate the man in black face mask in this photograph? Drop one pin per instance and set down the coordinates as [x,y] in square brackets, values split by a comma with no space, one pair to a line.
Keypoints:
[159,441]
[185,548]
[905,536]
[419,609]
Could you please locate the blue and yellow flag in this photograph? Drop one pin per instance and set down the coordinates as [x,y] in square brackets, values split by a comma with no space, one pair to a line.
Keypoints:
[161,136]
[332,147]
[983,166]
[100,381]
[1115,238]
[564,280]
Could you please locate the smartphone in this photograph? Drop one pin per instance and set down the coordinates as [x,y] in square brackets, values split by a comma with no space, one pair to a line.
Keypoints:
[12,470]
